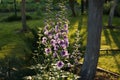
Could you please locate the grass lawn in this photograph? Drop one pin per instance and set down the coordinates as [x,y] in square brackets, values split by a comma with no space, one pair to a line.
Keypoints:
[109,40]
[15,45]
[19,44]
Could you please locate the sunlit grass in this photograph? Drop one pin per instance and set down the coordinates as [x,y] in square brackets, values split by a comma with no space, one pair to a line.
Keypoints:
[72,30]
[14,44]
[78,23]
[110,61]
[109,39]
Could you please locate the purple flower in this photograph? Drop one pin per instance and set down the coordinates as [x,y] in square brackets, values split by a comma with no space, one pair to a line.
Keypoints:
[66,26]
[60,64]
[46,32]
[56,28]
[55,47]
[44,39]
[53,42]
[62,31]
[63,44]
[66,41]
[46,27]
[59,23]
[55,54]
[69,65]
[64,53]
[47,50]
[65,37]
[58,41]
[50,35]
[56,36]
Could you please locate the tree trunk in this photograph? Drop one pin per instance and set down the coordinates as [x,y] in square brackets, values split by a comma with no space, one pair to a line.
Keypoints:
[88,69]
[23,11]
[15,8]
[82,6]
[86,4]
[72,4]
[111,14]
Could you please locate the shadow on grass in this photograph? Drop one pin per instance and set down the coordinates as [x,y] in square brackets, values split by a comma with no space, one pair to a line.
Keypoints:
[117,61]
[115,36]
[13,65]
[111,37]
[107,37]
[14,68]
[77,23]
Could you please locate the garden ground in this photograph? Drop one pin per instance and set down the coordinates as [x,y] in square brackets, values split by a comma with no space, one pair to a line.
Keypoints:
[19,45]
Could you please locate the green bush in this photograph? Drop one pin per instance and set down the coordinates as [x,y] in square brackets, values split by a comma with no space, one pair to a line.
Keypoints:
[117,10]
[15,18]
[5,7]
[107,7]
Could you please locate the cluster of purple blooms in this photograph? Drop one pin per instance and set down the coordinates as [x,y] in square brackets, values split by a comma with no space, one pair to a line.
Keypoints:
[56,42]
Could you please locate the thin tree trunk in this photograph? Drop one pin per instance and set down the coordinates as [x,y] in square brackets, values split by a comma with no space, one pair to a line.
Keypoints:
[82,6]
[72,5]
[15,8]
[86,4]
[89,66]
[111,14]
[23,11]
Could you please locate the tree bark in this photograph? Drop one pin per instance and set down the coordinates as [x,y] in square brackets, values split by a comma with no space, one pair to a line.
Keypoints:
[89,66]
[23,11]
[72,5]
[82,6]
[86,4]
[111,14]
[15,8]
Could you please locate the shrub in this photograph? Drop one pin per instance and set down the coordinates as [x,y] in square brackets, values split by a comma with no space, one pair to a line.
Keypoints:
[117,10]
[15,18]
[52,55]
[107,7]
